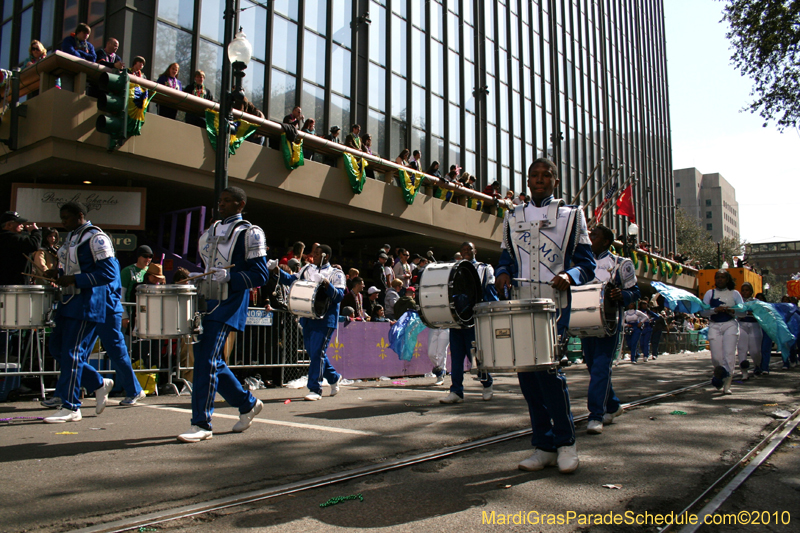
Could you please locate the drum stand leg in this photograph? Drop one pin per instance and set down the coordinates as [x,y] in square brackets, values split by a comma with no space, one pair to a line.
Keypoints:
[40,353]
[169,365]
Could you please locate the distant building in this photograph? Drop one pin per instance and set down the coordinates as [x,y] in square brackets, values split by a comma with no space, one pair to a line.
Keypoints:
[710,199]
[779,258]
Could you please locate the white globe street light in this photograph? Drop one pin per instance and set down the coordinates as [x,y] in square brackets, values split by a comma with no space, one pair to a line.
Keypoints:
[240,49]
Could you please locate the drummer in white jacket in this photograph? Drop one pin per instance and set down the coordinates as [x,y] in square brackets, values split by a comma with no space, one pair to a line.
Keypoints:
[723,329]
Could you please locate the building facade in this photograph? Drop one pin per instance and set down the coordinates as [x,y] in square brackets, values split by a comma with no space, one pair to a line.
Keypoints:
[710,199]
[487,86]
[779,258]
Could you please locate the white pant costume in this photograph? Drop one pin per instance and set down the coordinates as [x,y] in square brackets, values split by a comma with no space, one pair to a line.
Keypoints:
[438,340]
[750,336]
[723,338]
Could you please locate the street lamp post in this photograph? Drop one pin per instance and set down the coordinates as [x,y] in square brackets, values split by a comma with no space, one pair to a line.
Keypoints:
[239,51]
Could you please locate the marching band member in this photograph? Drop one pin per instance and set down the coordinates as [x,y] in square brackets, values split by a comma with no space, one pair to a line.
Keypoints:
[546,244]
[634,320]
[750,336]
[317,333]
[236,252]
[598,352]
[461,339]
[723,329]
[87,272]
[647,329]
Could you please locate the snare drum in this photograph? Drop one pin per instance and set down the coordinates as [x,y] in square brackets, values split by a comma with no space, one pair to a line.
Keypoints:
[592,314]
[516,336]
[27,306]
[307,299]
[448,293]
[165,311]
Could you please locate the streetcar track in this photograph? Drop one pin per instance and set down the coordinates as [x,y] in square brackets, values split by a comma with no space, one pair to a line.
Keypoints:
[186,511]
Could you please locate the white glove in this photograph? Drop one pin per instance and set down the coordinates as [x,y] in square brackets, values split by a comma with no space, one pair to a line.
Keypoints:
[272,264]
[221,275]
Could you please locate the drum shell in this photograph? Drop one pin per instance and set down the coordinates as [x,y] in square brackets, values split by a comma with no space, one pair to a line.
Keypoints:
[516,335]
[303,296]
[165,311]
[26,306]
[437,309]
[589,314]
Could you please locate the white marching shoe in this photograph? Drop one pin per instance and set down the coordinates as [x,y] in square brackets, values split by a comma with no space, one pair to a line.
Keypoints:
[488,393]
[245,419]
[567,459]
[101,395]
[452,398]
[595,427]
[608,418]
[195,434]
[64,415]
[538,461]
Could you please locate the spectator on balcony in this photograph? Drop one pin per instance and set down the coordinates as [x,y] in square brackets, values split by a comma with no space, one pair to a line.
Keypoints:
[310,128]
[433,170]
[366,146]
[77,44]
[170,78]
[295,118]
[402,159]
[333,137]
[37,52]
[353,140]
[198,89]
[108,56]
[493,189]
[392,295]
[510,196]
[416,160]
[136,68]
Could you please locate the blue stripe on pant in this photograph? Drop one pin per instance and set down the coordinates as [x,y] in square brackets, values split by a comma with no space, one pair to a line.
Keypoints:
[315,340]
[598,354]
[70,344]
[460,346]
[110,333]
[766,352]
[644,341]
[212,375]
[548,405]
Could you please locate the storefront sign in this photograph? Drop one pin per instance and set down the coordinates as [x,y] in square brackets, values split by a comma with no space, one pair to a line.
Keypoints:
[109,207]
[124,242]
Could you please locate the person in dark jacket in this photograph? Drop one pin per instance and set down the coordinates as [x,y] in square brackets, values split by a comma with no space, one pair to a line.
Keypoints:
[108,56]
[17,239]
[198,89]
[77,44]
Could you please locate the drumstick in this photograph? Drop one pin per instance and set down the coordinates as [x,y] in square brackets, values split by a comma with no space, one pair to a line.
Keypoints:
[206,273]
[51,280]
[29,259]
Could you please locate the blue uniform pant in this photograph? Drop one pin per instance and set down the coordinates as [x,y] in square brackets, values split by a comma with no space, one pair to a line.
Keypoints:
[766,352]
[598,354]
[316,339]
[460,345]
[212,375]
[632,339]
[644,341]
[70,344]
[549,409]
[110,333]
[655,340]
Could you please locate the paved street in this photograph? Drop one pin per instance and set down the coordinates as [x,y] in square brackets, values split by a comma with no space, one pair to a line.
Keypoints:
[127,461]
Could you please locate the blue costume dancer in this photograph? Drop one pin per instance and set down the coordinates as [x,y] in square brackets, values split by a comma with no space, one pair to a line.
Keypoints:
[236,252]
[317,333]
[87,270]
[461,339]
[598,352]
[541,239]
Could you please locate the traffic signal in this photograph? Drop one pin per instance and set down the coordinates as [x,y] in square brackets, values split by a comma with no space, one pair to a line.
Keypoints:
[113,100]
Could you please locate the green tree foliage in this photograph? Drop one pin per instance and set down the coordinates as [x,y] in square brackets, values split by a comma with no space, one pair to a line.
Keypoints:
[765,36]
[696,242]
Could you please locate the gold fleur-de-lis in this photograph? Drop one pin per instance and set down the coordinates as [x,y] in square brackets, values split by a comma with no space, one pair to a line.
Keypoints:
[336,345]
[382,345]
[416,349]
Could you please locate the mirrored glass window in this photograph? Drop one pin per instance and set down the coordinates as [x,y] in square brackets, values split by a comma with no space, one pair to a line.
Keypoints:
[253,83]
[342,17]
[340,112]
[377,30]
[284,44]
[314,58]
[316,15]
[377,87]
[211,21]
[173,46]
[418,54]
[180,12]
[454,123]
[418,106]
[340,70]
[399,46]
[376,126]
[25,29]
[48,18]
[288,8]
[282,95]
[437,115]
[209,60]
[253,21]
[312,101]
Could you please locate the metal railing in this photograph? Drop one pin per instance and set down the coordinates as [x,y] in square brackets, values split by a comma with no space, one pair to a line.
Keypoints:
[278,345]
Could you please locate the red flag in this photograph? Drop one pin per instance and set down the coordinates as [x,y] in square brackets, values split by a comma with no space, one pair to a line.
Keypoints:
[625,204]
[599,209]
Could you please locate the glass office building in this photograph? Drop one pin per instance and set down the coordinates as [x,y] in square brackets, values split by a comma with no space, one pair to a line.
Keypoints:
[488,86]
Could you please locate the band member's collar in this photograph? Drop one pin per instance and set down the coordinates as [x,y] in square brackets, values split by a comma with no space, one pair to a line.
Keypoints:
[232,218]
[603,254]
[80,228]
[545,202]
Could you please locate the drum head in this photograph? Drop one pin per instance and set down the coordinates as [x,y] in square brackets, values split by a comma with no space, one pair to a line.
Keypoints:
[465,292]
[321,302]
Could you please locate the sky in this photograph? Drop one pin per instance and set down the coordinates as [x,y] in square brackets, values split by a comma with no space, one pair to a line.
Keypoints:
[711,132]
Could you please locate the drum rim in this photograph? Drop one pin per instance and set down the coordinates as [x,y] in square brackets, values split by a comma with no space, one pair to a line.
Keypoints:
[455,265]
[26,288]
[172,288]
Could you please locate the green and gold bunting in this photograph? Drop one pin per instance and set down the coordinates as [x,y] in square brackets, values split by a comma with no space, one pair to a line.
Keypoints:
[677,271]
[244,130]
[444,195]
[635,259]
[138,100]
[411,181]
[292,153]
[356,171]
[476,204]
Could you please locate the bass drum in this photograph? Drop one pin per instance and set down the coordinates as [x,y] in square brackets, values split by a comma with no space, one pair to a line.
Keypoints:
[308,300]
[592,314]
[448,293]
